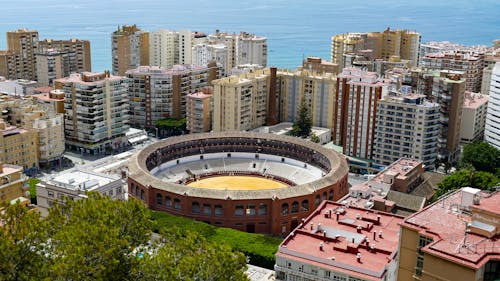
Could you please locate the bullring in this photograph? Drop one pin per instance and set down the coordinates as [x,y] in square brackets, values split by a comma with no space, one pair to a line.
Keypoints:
[169,176]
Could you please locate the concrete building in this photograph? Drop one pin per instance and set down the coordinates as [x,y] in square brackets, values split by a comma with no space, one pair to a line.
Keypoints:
[53,99]
[199,111]
[203,54]
[468,62]
[18,146]
[23,43]
[473,117]
[79,50]
[12,182]
[52,64]
[433,47]
[163,48]
[338,242]
[492,127]
[315,64]
[8,61]
[97,108]
[358,94]
[129,48]
[74,185]
[490,60]
[318,91]
[243,48]
[406,126]
[455,238]
[240,102]
[447,88]
[156,93]
[382,45]
[19,87]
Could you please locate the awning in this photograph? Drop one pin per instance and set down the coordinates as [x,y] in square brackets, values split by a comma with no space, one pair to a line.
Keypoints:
[138,139]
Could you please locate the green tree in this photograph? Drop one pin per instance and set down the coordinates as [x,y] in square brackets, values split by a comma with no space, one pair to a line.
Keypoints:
[315,138]
[22,233]
[463,178]
[171,127]
[482,156]
[303,124]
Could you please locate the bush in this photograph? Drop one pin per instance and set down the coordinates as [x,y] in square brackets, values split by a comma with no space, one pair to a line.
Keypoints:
[259,248]
[32,183]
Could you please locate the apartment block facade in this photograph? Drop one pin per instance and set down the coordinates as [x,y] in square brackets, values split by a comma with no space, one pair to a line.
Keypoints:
[199,111]
[163,48]
[492,127]
[23,43]
[18,146]
[79,51]
[156,93]
[473,117]
[96,106]
[12,182]
[407,126]
[129,49]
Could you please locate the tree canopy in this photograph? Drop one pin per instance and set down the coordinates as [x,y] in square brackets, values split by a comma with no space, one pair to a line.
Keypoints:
[462,178]
[303,124]
[482,156]
[103,239]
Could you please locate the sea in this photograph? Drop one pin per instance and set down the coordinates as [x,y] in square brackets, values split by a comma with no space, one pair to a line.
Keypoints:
[295,28]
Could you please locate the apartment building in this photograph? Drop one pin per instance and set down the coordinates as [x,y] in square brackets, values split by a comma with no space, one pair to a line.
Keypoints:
[315,64]
[163,48]
[433,47]
[339,242]
[12,182]
[318,89]
[241,102]
[157,93]
[79,51]
[243,48]
[492,127]
[473,117]
[52,64]
[18,146]
[447,88]
[73,185]
[202,54]
[96,106]
[129,48]
[358,94]
[381,45]
[23,43]
[489,63]
[53,99]
[199,111]
[455,238]
[407,126]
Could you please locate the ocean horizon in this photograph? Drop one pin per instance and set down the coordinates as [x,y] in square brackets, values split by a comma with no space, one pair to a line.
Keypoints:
[294,29]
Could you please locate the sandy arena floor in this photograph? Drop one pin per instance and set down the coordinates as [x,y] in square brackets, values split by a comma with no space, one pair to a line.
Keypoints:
[237,183]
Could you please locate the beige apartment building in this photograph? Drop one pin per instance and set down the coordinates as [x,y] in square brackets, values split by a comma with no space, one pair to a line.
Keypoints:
[129,48]
[473,117]
[199,111]
[240,102]
[79,51]
[23,43]
[12,181]
[97,108]
[52,64]
[18,146]
[387,44]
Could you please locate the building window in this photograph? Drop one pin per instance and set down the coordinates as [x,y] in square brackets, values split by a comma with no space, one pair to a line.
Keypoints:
[262,209]
[50,194]
[420,265]
[218,210]
[492,271]
[159,199]
[177,204]
[284,209]
[168,202]
[330,195]
[251,210]
[195,208]
[295,207]
[324,195]
[239,210]
[304,206]
[142,194]
[207,209]
[317,200]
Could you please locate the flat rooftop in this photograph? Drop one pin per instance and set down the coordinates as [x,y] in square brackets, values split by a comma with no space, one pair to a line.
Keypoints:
[448,222]
[348,231]
[80,179]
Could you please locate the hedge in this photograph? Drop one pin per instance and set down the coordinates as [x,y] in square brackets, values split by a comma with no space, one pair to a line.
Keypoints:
[259,248]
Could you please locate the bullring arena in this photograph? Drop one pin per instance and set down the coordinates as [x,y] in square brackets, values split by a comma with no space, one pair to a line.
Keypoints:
[247,181]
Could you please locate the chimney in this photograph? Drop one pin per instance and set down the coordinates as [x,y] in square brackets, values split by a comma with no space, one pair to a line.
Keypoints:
[321,244]
[359,228]
[374,235]
[272,118]
[378,219]
[380,234]
[338,214]
[358,257]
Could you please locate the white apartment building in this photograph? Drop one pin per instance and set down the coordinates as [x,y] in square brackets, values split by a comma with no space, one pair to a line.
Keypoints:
[406,127]
[492,128]
[202,54]
[163,48]
[473,117]
[252,49]
[74,184]
[97,108]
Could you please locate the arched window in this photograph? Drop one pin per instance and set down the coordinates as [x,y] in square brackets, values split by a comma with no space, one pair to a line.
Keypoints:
[305,206]
[284,209]
[317,201]
[295,207]
[207,209]
[330,195]
[218,210]
[142,194]
[168,202]
[324,195]
[137,192]
[239,210]
[195,208]
[132,188]
[262,209]
[159,199]
[177,204]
